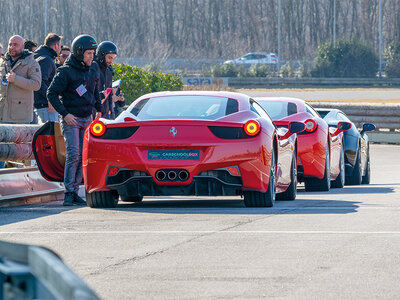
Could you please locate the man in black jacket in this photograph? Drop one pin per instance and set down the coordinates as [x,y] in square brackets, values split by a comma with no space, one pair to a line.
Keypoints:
[105,55]
[74,93]
[45,56]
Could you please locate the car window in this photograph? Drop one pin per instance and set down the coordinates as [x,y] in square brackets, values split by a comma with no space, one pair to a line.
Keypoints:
[260,111]
[260,56]
[311,110]
[184,107]
[278,109]
[323,113]
[248,57]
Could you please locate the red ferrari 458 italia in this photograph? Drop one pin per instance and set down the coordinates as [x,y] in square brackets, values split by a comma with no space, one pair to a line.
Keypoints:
[181,143]
[320,156]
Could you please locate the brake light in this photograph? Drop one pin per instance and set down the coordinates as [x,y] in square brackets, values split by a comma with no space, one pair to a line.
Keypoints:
[97,128]
[252,128]
[311,125]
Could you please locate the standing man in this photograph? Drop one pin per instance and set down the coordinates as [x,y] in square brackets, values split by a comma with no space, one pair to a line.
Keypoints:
[74,93]
[20,77]
[62,57]
[45,56]
[105,55]
[1,50]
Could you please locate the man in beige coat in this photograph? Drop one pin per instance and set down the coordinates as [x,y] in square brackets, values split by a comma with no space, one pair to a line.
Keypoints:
[20,77]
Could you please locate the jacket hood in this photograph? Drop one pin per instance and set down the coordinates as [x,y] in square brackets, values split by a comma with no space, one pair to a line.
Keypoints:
[73,62]
[45,50]
[25,53]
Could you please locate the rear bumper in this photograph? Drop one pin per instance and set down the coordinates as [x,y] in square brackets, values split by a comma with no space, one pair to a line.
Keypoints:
[200,186]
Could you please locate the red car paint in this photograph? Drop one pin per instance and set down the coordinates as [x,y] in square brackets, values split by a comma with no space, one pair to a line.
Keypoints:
[312,147]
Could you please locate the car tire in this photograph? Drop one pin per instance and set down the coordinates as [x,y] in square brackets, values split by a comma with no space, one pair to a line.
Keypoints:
[260,199]
[103,199]
[291,192]
[132,198]
[356,176]
[320,185]
[366,179]
[339,181]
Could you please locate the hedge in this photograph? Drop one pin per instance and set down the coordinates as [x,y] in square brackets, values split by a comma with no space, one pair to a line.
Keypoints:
[349,58]
[136,82]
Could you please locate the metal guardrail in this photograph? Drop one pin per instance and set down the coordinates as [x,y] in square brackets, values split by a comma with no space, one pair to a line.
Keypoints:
[257,82]
[33,272]
[23,186]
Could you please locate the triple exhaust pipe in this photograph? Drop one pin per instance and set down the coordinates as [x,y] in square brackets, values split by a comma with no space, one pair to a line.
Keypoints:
[172,175]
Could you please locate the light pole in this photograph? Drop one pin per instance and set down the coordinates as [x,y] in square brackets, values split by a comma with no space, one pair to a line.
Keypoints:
[279,36]
[45,17]
[334,23]
[380,38]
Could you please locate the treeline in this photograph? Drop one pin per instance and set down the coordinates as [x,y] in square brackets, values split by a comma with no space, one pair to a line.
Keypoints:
[203,28]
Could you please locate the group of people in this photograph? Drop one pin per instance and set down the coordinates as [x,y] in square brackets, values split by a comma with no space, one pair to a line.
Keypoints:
[74,91]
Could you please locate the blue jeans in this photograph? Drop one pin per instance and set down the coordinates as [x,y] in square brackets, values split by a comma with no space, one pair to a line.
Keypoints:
[73,136]
[44,115]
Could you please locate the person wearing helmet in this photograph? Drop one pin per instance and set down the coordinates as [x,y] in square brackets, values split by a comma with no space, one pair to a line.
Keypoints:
[105,55]
[74,94]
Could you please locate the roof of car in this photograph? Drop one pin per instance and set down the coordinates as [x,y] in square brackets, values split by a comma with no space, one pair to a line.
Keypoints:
[233,95]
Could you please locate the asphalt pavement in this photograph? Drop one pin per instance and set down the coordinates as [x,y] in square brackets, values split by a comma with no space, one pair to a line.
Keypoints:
[342,244]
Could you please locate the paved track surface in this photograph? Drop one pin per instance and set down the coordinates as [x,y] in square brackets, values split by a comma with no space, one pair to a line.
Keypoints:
[354,95]
[343,244]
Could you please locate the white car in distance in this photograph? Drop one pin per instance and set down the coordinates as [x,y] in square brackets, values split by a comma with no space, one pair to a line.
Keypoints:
[255,58]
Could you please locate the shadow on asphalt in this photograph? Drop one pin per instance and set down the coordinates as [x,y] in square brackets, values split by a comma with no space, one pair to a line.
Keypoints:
[9,215]
[356,189]
[236,207]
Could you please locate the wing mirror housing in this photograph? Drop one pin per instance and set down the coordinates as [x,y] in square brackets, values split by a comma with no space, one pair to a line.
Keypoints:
[294,127]
[342,126]
[368,127]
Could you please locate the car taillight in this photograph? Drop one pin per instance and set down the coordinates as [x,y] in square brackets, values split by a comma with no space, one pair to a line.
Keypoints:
[311,125]
[252,128]
[97,128]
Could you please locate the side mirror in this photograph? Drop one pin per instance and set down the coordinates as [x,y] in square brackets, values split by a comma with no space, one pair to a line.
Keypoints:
[368,127]
[294,127]
[342,126]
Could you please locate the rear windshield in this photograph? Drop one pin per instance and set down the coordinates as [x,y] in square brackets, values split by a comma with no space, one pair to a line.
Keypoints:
[184,107]
[278,109]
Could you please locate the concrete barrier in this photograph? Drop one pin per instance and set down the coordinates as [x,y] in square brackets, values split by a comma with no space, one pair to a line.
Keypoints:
[33,272]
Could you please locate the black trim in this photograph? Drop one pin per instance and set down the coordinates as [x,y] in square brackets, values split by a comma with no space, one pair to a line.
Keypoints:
[226,132]
[118,133]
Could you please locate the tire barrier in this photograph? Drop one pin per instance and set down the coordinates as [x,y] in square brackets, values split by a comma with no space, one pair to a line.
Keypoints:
[15,141]
[34,272]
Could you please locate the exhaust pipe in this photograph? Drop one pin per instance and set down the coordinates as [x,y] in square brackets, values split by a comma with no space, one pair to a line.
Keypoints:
[172,175]
[160,175]
[183,175]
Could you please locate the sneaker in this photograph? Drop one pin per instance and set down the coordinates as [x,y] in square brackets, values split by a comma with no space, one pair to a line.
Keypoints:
[68,199]
[78,200]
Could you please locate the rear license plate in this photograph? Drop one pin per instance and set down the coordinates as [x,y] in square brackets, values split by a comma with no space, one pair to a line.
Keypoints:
[173,154]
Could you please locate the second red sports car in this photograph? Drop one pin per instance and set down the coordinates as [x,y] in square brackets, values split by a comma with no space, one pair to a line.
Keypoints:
[320,156]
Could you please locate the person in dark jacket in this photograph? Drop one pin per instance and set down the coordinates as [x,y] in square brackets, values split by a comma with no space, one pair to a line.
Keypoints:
[105,55]
[74,93]
[45,56]
[62,57]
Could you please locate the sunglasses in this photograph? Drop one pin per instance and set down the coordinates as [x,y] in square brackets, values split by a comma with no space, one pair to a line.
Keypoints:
[64,55]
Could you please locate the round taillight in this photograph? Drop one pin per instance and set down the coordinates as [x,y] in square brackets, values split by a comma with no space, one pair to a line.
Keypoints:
[252,128]
[97,128]
[311,125]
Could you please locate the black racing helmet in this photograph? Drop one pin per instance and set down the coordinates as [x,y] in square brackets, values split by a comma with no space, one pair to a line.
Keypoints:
[105,48]
[82,43]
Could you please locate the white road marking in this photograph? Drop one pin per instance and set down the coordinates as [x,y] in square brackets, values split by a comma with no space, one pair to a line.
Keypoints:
[206,231]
